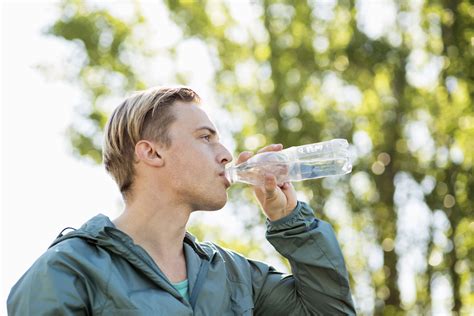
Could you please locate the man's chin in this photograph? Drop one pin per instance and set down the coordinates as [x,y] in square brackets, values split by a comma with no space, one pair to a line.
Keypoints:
[209,204]
[215,205]
[218,206]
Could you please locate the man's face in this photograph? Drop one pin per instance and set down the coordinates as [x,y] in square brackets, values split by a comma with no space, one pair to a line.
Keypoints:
[195,160]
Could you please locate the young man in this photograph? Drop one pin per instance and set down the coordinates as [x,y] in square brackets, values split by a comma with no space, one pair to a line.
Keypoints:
[165,155]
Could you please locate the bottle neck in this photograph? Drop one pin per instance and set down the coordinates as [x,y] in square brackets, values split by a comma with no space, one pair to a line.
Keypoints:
[230,174]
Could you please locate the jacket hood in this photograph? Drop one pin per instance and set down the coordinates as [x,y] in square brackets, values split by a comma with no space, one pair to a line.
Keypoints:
[94,231]
[101,231]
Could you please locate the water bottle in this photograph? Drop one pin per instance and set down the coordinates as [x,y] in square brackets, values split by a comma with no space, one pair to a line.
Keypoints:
[298,163]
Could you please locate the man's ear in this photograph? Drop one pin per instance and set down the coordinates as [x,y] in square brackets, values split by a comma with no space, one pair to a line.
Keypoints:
[149,153]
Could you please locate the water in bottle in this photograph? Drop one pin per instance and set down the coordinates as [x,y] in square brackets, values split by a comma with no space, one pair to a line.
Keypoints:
[295,163]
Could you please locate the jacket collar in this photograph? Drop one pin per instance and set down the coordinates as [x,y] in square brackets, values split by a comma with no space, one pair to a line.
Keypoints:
[191,240]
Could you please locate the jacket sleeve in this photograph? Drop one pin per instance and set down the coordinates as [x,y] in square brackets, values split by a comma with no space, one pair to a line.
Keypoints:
[50,287]
[319,284]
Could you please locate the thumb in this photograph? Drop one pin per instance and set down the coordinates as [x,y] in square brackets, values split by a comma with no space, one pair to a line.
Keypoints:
[270,186]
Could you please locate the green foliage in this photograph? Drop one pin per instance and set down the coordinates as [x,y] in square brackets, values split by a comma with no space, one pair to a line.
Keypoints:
[104,41]
[306,71]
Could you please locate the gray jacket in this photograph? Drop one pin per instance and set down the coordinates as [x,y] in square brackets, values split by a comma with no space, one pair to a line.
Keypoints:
[98,270]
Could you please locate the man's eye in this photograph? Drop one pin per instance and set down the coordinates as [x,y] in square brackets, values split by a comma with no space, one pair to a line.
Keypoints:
[206,137]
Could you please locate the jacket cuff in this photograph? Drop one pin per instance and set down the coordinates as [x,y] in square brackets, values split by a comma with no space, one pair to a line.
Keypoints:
[301,214]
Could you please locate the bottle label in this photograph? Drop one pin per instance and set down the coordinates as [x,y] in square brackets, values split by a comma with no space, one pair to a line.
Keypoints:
[309,149]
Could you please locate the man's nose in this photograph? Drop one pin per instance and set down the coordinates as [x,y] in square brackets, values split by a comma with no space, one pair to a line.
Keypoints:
[224,156]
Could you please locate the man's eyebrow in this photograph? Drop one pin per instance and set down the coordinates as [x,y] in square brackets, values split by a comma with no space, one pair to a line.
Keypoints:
[210,129]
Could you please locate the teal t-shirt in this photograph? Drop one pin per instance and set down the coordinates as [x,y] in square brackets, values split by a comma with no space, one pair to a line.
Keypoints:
[182,288]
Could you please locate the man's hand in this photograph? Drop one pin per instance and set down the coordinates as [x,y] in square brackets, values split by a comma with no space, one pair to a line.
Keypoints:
[277,201]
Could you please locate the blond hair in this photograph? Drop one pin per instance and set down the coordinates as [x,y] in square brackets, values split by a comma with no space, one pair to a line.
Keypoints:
[144,115]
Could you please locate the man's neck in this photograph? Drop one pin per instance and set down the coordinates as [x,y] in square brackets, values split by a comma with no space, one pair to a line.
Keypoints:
[159,228]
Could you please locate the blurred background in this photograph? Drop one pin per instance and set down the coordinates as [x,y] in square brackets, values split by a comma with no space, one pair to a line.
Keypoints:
[395,78]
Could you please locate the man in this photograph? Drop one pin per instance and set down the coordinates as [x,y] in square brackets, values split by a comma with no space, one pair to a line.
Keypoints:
[165,155]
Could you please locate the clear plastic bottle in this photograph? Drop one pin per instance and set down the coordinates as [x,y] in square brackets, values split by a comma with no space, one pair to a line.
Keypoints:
[299,163]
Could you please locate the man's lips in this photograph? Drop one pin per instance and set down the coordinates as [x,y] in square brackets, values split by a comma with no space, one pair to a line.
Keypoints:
[226,181]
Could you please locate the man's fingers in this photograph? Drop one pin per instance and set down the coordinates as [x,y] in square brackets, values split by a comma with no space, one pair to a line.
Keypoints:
[272,147]
[244,156]
[285,186]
